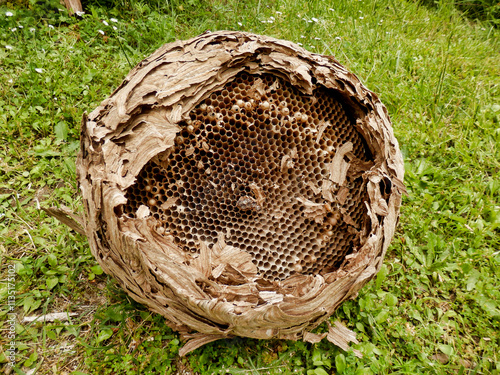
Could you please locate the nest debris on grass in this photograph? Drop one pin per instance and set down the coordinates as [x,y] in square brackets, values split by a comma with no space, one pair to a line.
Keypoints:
[240,185]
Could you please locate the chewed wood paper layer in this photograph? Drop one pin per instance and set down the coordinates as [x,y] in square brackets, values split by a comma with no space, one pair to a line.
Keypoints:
[240,186]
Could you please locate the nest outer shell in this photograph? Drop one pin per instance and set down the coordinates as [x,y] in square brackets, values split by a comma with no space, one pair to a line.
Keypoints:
[140,120]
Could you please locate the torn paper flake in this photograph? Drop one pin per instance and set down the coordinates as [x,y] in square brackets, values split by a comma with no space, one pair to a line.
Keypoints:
[142,212]
[338,167]
[315,211]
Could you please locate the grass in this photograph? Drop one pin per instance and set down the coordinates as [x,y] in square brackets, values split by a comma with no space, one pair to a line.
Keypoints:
[434,307]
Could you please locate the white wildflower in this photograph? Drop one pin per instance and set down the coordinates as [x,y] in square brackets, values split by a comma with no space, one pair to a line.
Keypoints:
[240,24]
[9,14]
[79,13]
[51,27]
[361,18]
[20,26]
[115,28]
[10,81]
[13,29]
[317,38]
[32,29]
[300,44]
[272,18]
[105,23]
[331,9]
[270,21]
[113,20]
[39,70]
[338,38]
[303,36]
[278,12]
[315,19]
[101,32]
[9,47]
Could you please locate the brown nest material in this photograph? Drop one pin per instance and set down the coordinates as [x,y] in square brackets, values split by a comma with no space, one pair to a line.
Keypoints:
[240,185]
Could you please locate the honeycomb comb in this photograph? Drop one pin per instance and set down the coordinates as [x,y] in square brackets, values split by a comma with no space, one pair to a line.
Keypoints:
[242,166]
